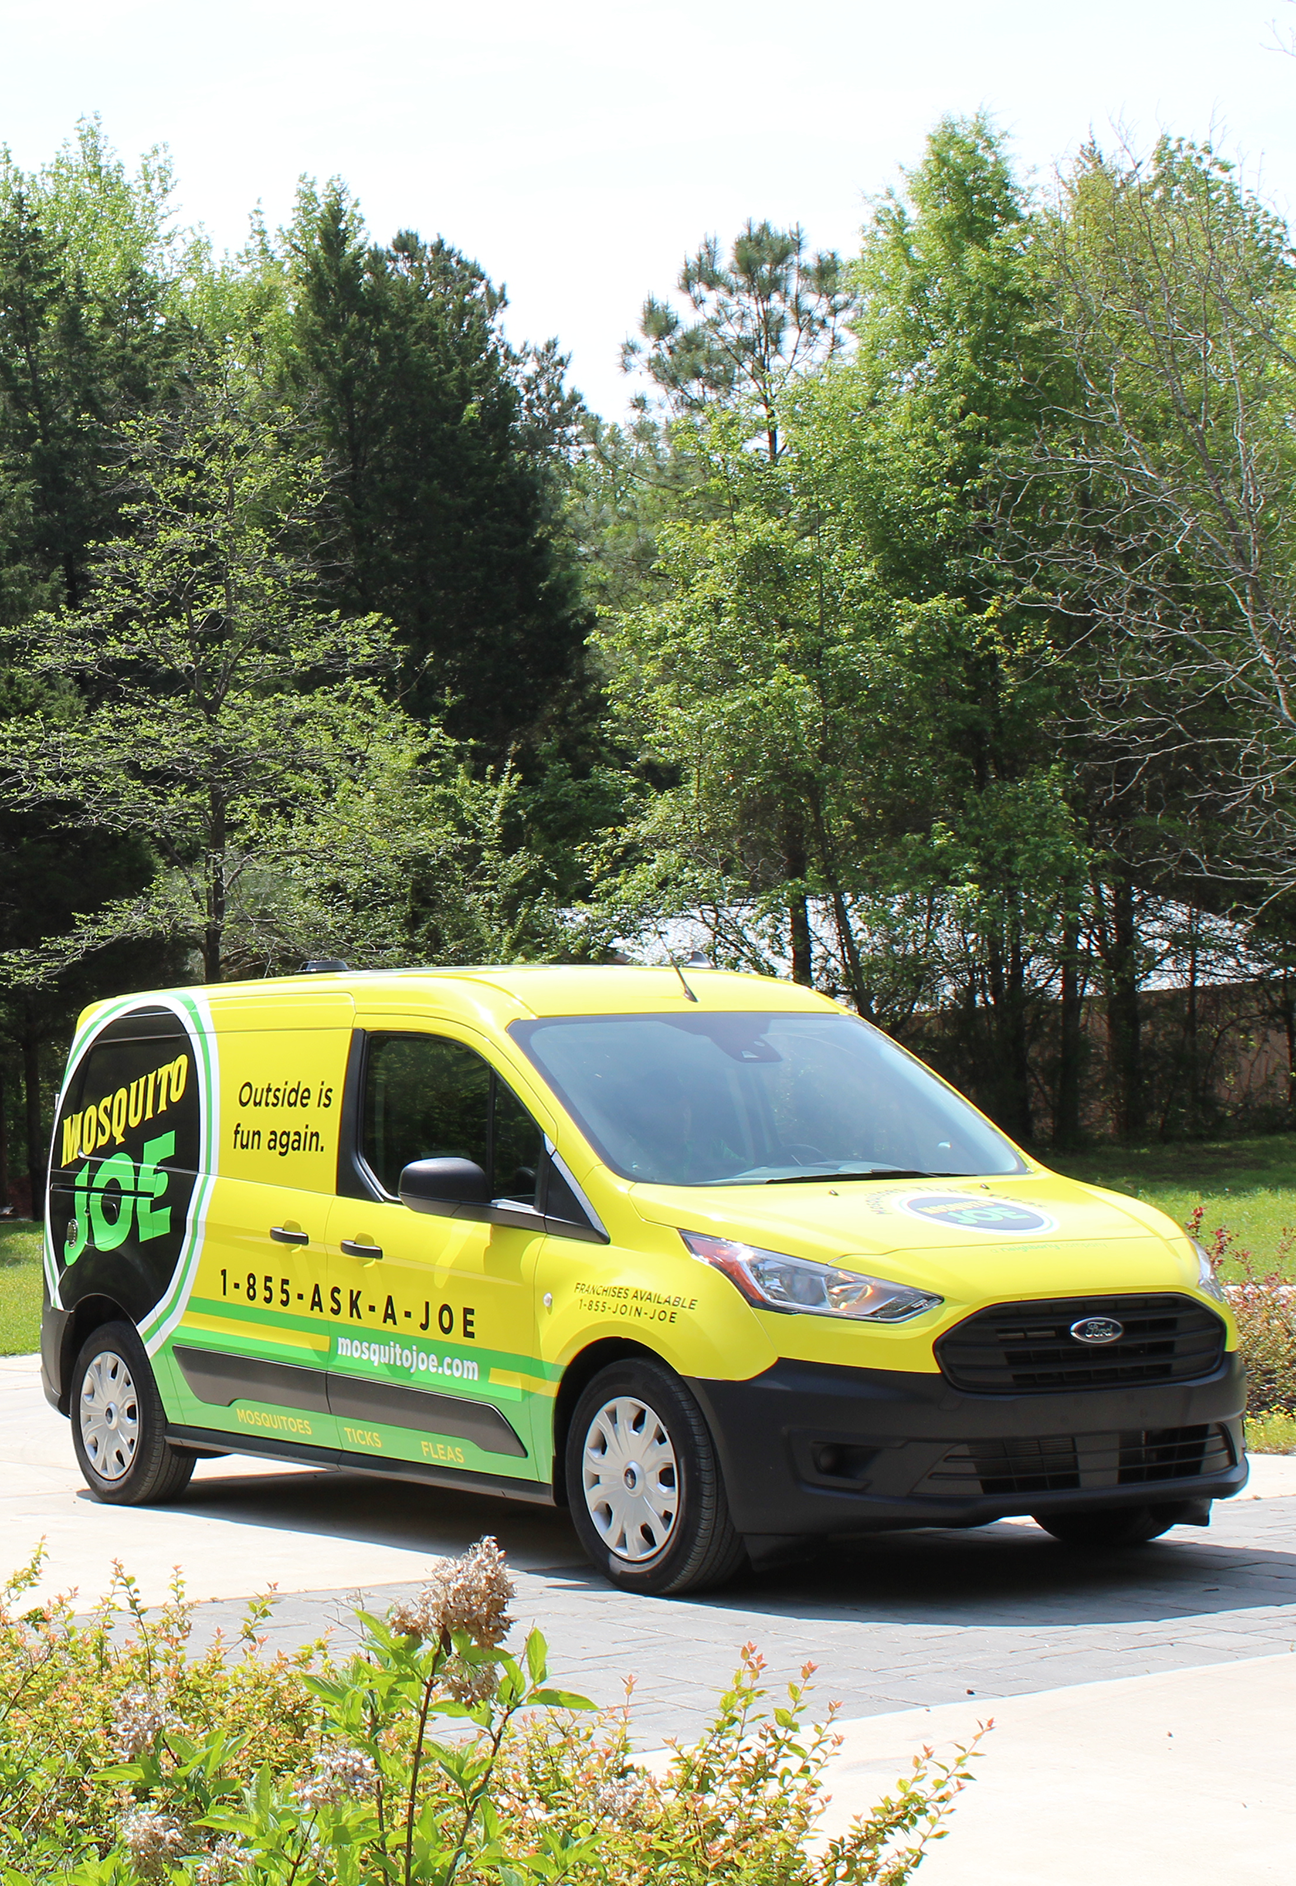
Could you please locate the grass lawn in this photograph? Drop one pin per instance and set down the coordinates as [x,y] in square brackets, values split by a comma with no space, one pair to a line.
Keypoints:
[20,1287]
[1271,1434]
[1246,1185]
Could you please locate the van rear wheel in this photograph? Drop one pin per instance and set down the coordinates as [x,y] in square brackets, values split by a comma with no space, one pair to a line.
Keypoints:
[118,1426]
[644,1484]
[1109,1526]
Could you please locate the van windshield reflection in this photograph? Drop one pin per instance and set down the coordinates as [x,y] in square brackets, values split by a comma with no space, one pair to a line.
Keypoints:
[757,1098]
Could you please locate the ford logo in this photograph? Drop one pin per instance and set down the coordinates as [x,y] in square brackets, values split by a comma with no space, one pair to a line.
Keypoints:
[1097,1329]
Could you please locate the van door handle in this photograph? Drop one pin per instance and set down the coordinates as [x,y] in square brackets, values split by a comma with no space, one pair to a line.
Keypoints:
[283,1236]
[351,1249]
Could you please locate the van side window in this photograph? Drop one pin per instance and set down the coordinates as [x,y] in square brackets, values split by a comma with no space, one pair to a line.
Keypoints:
[517,1149]
[429,1098]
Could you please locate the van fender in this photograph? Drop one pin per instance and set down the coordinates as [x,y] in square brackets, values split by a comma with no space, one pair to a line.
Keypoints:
[580,1371]
[62,1334]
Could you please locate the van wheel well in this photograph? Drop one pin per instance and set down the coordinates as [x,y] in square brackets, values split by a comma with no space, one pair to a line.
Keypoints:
[580,1370]
[90,1314]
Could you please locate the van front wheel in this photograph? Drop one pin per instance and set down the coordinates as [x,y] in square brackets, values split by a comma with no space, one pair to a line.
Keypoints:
[644,1484]
[118,1427]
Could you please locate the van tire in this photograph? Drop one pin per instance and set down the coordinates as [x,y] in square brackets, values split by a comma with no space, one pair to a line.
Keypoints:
[118,1424]
[1109,1525]
[645,1409]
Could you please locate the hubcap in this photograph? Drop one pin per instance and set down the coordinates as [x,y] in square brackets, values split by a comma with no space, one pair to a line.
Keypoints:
[109,1416]
[630,1479]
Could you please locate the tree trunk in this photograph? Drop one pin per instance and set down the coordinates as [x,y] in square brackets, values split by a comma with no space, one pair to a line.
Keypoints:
[1124,1018]
[214,929]
[1192,1034]
[794,871]
[802,955]
[1019,1038]
[860,994]
[1010,1077]
[35,1130]
[1289,1029]
[4,1136]
[1066,1112]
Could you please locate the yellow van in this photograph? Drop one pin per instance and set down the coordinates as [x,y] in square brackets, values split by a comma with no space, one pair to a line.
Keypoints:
[700,1256]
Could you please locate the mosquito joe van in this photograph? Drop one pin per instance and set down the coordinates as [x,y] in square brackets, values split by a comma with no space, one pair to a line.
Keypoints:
[708,1261]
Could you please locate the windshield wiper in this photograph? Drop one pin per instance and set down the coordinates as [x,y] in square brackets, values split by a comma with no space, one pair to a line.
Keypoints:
[882,1172]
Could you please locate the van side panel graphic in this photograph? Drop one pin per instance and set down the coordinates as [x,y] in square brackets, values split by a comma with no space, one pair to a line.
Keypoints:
[130,1159]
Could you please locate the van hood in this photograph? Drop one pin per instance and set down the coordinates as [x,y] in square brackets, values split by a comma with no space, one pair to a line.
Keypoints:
[1034,1235]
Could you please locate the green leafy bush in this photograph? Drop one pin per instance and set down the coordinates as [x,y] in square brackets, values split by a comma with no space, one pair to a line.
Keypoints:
[1266,1318]
[1264,1304]
[125,1760]
[77,1697]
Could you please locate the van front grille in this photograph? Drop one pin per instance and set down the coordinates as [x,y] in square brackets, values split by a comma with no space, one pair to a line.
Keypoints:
[1062,1463]
[1029,1347]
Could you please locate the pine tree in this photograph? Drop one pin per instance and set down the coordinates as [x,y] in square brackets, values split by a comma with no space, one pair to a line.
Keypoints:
[439,441]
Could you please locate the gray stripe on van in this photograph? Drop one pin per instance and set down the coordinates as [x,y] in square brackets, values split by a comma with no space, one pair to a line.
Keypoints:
[359,1399]
[221,1379]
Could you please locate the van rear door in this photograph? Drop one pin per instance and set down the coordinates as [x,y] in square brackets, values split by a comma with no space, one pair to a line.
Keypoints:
[250,1353]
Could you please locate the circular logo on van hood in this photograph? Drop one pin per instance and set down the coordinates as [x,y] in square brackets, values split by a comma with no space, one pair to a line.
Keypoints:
[963,1211]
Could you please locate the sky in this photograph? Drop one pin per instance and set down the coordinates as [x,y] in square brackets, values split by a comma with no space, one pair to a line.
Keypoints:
[580,149]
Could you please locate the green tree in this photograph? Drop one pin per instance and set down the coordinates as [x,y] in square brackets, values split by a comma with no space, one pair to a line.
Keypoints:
[777,686]
[223,697]
[1171,480]
[763,319]
[88,333]
[913,439]
[47,875]
[769,314]
[1158,500]
[846,701]
[234,729]
[747,683]
[952,367]
[444,508]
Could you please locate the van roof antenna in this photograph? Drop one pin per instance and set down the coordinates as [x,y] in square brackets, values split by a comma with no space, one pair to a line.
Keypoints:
[674,963]
[680,973]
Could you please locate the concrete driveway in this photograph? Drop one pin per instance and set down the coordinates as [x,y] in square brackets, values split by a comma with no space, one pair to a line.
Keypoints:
[1143,1700]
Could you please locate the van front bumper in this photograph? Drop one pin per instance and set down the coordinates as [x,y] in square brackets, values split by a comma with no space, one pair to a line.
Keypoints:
[815,1448]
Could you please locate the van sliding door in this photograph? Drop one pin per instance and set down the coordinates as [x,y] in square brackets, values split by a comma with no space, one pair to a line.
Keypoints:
[434,1355]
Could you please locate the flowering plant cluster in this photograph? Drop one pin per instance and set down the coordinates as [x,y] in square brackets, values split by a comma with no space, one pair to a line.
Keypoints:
[80,1697]
[522,1783]
[1264,1304]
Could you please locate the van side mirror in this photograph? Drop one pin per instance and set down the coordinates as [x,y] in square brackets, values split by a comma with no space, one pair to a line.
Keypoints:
[449,1188]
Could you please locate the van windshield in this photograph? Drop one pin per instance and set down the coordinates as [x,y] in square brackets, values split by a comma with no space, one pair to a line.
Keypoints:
[752,1099]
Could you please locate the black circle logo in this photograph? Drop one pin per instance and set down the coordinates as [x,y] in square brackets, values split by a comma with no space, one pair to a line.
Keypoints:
[125,1162]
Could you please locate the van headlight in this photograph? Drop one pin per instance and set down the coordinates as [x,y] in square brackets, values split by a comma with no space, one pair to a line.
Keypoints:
[773,1281]
[1206,1278]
